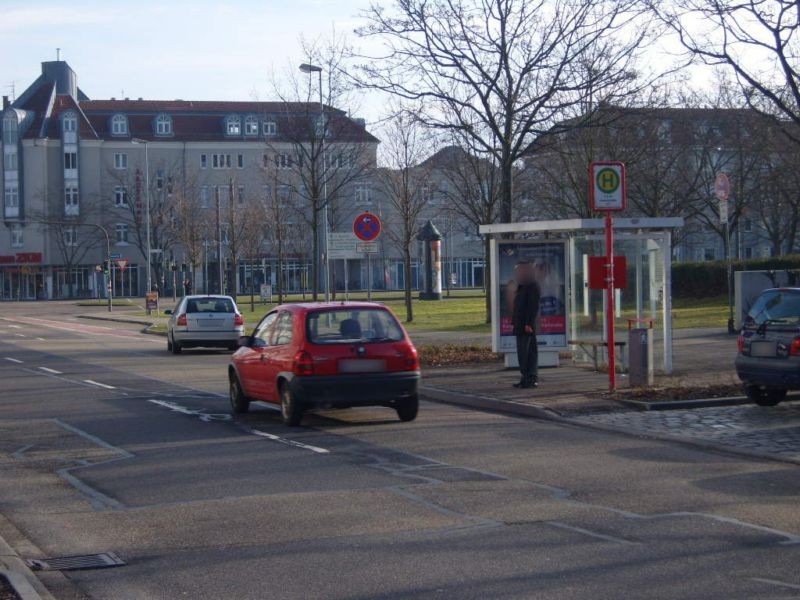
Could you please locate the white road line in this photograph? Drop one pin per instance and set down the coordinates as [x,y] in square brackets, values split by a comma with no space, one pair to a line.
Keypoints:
[41,339]
[20,335]
[594,534]
[98,384]
[49,370]
[281,440]
[14,360]
[790,586]
[15,326]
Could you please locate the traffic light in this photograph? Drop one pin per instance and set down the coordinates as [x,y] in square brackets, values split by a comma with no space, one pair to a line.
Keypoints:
[174,267]
[106,267]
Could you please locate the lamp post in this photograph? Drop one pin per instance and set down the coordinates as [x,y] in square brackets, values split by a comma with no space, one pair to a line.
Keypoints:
[147,208]
[308,69]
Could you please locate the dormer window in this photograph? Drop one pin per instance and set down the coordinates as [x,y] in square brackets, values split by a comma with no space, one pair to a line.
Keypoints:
[251,125]
[70,122]
[10,128]
[233,125]
[163,125]
[119,125]
[270,127]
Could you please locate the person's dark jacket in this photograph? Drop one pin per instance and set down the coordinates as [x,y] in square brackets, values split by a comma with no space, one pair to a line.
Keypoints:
[526,307]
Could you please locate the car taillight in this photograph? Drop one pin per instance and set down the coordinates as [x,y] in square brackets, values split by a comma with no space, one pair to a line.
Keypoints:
[412,359]
[238,319]
[794,349]
[181,322]
[740,343]
[303,364]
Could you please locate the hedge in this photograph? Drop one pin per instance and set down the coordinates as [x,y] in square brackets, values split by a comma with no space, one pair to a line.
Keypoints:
[708,279]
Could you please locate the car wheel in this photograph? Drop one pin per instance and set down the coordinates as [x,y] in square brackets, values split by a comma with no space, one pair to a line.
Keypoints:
[291,409]
[764,397]
[176,347]
[239,403]
[408,408]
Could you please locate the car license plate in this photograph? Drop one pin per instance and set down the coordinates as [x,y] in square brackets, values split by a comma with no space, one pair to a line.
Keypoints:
[764,348]
[362,365]
[210,323]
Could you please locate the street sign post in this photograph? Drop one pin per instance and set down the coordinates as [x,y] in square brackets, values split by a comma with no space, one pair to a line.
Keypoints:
[607,193]
[115,255]
[342,246]
[367,247]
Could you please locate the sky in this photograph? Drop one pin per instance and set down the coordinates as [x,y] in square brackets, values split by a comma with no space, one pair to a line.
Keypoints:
[168,49]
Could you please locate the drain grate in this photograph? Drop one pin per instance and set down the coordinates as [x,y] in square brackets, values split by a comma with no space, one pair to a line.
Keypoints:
[74,563]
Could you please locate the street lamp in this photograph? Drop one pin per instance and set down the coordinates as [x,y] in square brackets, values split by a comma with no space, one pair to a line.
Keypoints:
[309,69]
[147,207]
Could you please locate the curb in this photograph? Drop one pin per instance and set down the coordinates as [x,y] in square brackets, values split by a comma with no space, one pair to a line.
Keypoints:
[683,404]
[145,324]
[535,411]
[21,578]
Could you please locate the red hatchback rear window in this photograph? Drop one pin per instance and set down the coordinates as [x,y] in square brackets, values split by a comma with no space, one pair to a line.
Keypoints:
[349,325]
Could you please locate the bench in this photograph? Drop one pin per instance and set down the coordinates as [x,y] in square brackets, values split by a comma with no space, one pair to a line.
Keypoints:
[590,347]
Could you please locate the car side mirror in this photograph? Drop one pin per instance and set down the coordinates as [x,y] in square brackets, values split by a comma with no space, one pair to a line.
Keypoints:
[168,311]
[259,342]
[245,341]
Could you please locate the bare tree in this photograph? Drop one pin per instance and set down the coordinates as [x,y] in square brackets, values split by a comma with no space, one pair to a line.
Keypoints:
[755,39]
[406,185]
[502,71]
[327,150]
[190,224]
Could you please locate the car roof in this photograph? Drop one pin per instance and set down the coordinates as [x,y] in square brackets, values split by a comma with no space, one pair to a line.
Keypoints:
[313,306]
[200,296]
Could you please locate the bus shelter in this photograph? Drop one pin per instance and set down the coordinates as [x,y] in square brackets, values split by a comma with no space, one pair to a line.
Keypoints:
[570,310]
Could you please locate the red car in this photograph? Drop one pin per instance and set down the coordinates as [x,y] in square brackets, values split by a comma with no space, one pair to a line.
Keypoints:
[326,355]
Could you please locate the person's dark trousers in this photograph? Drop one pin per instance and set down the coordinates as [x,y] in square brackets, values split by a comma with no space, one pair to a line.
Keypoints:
[528,356]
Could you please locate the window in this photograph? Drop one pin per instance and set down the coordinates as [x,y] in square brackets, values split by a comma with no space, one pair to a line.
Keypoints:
[270,128]
[204,197]
[119,125]
[71,195]
[159,180]
[267,191]
[251,125]
[121,196]
[16,236]
[365,325]
[203,161]
[240,161]
[748,252]
[709,254]
[70,236]
[10,126]
[70,122]
[218,193]
[240,194]
[11,196]
[264,330]
[426,193]
[284,192]
[70,160]
[163,125]
[282,334]
[121,230]
[221,161]
[170,187]
[120,160]
[233,126]
[748,225]
[282,161]
[10,158]
[321,126]
[363,194]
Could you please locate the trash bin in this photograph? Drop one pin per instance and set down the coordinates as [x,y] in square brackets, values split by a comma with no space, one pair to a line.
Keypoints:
[640,352]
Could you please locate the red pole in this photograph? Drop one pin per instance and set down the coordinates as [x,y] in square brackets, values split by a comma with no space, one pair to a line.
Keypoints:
[612,363]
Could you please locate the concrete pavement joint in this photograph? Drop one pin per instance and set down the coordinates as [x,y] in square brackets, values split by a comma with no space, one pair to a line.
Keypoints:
[593,534]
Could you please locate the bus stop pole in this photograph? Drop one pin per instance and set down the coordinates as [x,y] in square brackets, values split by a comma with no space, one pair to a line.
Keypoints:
[612,366]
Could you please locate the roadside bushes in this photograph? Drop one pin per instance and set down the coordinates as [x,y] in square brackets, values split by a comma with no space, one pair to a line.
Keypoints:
[708,279]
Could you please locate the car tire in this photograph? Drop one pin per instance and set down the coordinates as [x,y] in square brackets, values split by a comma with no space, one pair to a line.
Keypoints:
[408,408]
[291,409]
[239,402]
[176,347]
[169,344]
[764,397]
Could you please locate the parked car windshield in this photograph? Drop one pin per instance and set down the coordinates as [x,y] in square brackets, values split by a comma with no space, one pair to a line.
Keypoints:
[775,306]
[210,305]
[348,325]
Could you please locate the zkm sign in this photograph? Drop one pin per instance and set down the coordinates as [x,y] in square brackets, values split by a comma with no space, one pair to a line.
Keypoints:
[22,258]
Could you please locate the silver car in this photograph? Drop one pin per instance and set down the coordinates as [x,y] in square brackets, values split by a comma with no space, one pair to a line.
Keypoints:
[207,321]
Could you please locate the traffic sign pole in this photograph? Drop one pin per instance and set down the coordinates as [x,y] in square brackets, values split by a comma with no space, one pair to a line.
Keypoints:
[612,362]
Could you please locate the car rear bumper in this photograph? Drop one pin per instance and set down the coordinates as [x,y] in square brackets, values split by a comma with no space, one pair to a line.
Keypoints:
[339,391]
[207,338]
[783,373]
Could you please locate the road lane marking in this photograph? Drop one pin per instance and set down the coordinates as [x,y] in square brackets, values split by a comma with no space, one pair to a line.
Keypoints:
[594,534]
[14,360]
[202,415]
[276,438]
[49,370]
[15,326]
[790,586]
[20,335]
[41,339]
[98,384]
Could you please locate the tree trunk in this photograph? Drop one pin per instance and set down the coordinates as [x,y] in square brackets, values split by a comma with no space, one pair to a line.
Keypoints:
[506,188]
[315,252]
[407,281]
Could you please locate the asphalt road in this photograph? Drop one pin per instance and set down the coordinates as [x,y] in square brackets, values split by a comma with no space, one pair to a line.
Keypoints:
[109,443]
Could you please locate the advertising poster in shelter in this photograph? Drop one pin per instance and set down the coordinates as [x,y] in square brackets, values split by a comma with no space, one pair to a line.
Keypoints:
[549,261]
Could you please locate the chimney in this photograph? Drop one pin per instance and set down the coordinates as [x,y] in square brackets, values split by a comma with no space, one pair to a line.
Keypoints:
[6,103]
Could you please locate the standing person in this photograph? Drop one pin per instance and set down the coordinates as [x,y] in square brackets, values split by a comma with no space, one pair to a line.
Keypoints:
[523,318]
